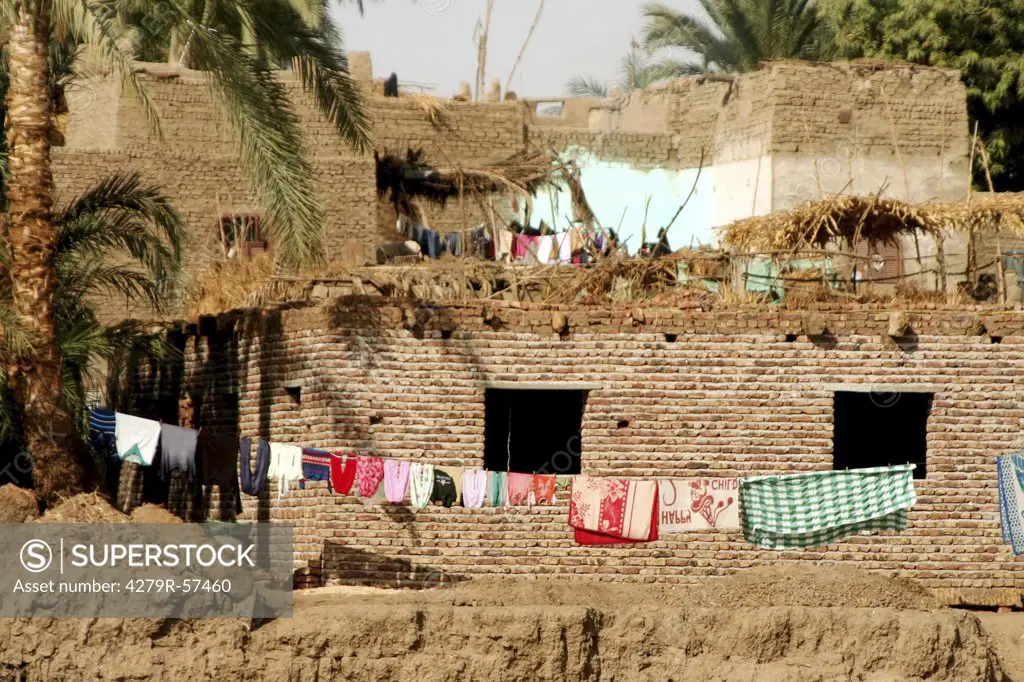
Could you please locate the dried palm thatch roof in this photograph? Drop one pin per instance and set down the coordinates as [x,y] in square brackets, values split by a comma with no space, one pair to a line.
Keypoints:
[1003,211]
[411,176]
[835,219]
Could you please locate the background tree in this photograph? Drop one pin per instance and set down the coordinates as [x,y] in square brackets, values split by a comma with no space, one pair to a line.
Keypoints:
[734,35]
[982,38]
[636,73]
[257,107]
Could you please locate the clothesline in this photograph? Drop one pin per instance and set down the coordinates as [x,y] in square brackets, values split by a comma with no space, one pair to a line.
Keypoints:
[777,512]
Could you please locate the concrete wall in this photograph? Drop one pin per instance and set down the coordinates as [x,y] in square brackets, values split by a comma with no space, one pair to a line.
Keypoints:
[672,393]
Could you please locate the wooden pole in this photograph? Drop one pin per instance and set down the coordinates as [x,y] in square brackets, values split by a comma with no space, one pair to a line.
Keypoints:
[1000,272]
[522,50]
[972,259]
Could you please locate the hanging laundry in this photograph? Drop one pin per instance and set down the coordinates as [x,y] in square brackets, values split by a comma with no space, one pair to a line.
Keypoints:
[524,248]
[565,249]
[343,472]
[689,504]
[421,484]
[369,474]
[497,488]
[824,507]
[547,250]
[103,431]
[285,465]
[136,438]
[456,474]
[453,243]
[316,466]
[606,511]
[474,488]
[1010,470]
[504,245]
[404,226]
[443,492]
[544,490]
[253,482]
[396,480]
[519,489]
[178,451]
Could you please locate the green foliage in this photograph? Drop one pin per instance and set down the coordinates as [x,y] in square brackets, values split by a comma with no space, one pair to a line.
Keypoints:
[734,35]
[239,43]
[120,238]
[982,38]
[636,74]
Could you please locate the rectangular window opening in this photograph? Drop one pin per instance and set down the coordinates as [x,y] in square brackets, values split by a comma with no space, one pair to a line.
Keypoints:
[534,431]
[876,429]
[243,236]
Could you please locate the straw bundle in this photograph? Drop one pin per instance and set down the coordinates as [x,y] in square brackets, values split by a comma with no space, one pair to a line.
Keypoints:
[1002,212]
[840,218]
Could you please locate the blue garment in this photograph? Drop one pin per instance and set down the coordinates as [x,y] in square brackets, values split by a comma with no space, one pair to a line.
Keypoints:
[102,438]
[1010,472]
[454,243]
[253,482]
[431,244]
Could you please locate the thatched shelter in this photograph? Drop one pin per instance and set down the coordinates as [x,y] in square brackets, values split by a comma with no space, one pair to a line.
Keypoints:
[404,178]
[835,220]
[1003,212]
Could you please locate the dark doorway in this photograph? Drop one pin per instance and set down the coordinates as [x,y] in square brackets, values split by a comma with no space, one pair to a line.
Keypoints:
[533,431]
[881,429]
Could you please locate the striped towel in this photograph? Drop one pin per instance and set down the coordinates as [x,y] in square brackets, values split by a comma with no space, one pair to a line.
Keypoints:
[820,508]
[316,466]
[1011,500]
[102,430]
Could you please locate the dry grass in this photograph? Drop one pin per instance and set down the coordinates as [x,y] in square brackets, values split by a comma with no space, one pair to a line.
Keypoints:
[226,285]
[1003,211]
[818,223]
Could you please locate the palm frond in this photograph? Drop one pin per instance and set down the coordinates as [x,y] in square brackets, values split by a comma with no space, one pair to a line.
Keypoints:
[317,58]
[271,148]
[580,86]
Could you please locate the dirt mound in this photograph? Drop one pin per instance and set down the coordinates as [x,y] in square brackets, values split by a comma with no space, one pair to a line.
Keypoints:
[800,585]
[17,505]
[330,637]
[83,508]
[152,513]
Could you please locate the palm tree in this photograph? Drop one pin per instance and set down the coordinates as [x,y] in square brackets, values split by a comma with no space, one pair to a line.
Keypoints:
[734,35]
[270,148]
[636,74]
[118,238]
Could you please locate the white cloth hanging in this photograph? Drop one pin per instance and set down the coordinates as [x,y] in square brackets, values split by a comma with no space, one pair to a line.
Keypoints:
[136,438]
[421,484]
[285,465]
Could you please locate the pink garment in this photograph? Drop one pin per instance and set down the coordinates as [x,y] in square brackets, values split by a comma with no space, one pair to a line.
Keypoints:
[369,472]
[396,480]
[474,488]
[519,486]
[522,245]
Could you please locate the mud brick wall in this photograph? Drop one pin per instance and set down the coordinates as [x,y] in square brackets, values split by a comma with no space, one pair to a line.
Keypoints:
[729,392]
[923,109]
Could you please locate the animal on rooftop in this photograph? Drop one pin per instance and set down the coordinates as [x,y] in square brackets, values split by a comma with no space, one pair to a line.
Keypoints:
[391,86]
[985,289]
[659,248]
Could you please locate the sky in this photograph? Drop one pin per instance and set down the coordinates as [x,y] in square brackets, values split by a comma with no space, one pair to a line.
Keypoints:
[431,41]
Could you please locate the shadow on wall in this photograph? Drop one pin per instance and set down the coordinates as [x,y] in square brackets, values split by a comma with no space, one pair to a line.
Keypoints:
[355,566]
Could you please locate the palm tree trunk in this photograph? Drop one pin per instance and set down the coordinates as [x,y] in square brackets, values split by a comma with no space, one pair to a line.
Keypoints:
[36,381]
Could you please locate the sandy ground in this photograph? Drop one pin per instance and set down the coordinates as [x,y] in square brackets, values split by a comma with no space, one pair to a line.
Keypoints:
[774,625]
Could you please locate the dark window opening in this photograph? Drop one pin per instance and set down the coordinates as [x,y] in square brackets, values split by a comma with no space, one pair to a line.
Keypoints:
[996,339]
[880,429]
[671,338]
[790,338]
[295,393]
[242,236]
[533,431]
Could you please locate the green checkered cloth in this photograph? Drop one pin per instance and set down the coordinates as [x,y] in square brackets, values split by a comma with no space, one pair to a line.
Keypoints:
[820,508]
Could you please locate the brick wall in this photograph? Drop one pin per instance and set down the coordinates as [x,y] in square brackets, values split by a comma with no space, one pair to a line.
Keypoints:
[704,392]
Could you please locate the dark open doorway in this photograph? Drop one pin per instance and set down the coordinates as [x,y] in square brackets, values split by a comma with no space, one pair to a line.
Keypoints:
[881,429]
[533,431]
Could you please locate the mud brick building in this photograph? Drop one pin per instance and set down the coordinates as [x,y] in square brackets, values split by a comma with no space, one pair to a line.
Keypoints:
[611,391]
[764,141]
